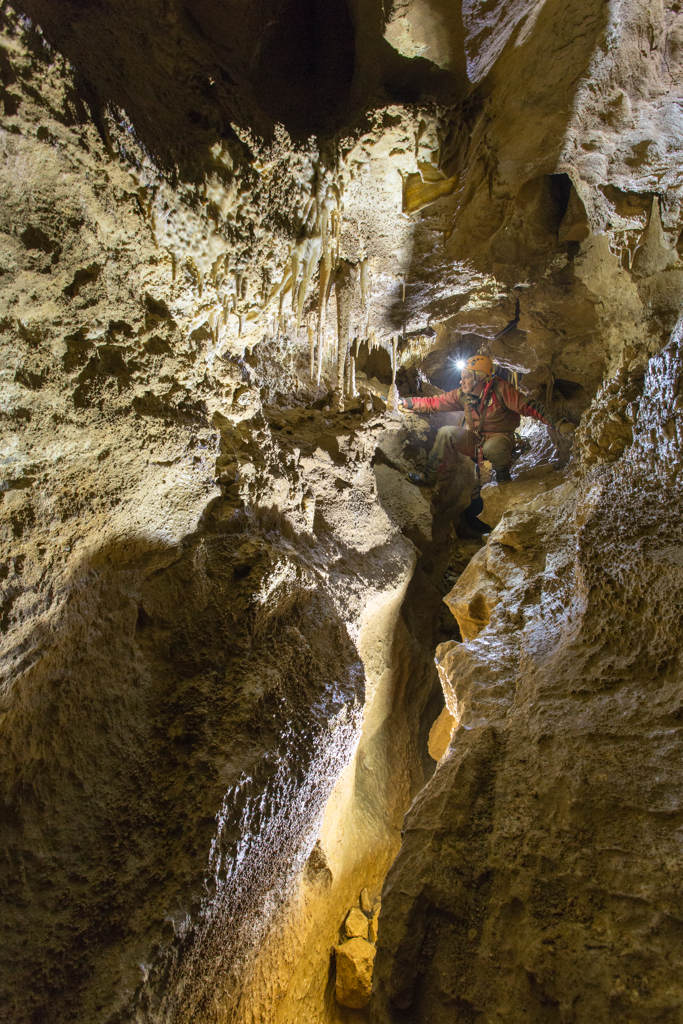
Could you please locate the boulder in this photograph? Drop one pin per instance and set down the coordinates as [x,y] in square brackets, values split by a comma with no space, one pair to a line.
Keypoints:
[356,924]
[498,498]
[374,926]
[354,960]
[474,597]
[365,901]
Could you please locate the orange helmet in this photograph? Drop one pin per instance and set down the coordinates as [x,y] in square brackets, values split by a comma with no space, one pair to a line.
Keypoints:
[479,364]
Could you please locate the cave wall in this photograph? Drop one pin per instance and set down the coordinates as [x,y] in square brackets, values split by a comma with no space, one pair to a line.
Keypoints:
[558,177]
[206,568]
[163,563]
[180,513]
[537,875]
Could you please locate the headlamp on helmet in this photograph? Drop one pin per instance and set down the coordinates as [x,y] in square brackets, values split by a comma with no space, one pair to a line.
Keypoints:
[479,364]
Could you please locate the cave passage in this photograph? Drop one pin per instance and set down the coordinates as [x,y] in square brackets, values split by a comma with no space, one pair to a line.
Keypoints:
[297,725]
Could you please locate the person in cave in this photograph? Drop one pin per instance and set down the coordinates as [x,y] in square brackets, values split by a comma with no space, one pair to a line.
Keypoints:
[493,409]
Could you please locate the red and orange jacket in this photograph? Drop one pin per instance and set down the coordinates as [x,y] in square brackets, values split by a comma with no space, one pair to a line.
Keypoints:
[496,406]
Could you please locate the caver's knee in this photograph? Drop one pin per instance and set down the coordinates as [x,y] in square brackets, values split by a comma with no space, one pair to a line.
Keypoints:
[450,435]
[498,451]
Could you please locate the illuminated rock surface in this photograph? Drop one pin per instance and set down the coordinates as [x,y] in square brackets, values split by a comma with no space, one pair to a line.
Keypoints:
[220,596]
[536,865]
[353,961]
[356,924]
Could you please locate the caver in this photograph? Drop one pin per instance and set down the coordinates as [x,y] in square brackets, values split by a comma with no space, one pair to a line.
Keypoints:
[493,409]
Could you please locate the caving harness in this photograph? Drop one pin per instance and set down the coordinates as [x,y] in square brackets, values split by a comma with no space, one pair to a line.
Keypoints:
[483,401]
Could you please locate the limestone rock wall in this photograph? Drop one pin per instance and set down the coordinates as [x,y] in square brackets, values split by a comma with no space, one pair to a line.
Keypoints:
[537,876]
[184,579]
[559,205]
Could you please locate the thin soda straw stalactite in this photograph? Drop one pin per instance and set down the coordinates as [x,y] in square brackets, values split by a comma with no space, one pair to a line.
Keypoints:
[324,272]
[335,331]
[345,284]
[297,253]
[311,342]
[351,374]
[393,408]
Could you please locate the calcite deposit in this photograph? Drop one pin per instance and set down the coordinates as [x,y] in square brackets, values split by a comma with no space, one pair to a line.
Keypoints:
[238,645]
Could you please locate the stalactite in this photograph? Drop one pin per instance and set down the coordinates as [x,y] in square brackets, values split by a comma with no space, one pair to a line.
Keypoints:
[393,410]
[337,222]
[351,376]
[324,280]
[285,288]
[311,259]
[311,343]
[345,282]
[297,253]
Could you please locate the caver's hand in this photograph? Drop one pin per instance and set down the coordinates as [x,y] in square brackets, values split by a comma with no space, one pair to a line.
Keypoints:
[565,427]
[405,403]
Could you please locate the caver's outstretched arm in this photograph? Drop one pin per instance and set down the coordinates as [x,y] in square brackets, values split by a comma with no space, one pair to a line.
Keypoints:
[437,403]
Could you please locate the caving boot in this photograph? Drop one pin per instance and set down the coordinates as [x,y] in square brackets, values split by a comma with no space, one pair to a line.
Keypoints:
[420,480]
[502,476]
[471,526]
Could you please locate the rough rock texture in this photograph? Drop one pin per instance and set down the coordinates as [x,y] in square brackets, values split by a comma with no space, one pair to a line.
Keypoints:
[185,580]
[356,924]
[360,833]
[353,962]
[533,882]
[560,208]
[440,733]
[406,503]
[537,877]
[220,599]
[539,469]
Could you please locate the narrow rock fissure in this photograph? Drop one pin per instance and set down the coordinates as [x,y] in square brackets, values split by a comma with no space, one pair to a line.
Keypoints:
[425,621]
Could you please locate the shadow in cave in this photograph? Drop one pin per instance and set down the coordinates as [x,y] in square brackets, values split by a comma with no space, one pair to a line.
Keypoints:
[186,71]
[172,720]
[304,67]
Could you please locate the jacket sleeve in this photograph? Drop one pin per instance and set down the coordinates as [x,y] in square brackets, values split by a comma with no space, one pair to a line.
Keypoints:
[518,402]
[437,403]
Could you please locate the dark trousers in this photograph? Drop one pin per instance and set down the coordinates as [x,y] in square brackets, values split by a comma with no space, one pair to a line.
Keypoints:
[497,448]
